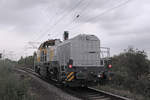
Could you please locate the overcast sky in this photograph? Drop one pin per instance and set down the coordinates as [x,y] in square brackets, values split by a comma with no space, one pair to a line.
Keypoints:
[118,23]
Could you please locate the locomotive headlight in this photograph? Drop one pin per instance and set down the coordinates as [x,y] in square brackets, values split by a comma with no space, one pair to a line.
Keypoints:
[99,76]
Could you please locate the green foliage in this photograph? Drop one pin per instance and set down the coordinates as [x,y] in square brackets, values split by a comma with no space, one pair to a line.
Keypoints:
[131,69]
[27,61]
[131,63]
[118,79]
[10,87]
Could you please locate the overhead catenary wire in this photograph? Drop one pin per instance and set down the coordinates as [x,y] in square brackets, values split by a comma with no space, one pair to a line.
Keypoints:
[80,15]
[67,14]
[61,18]
[106,11]
[110,9]
[74,8]
[77,15]
[47,24]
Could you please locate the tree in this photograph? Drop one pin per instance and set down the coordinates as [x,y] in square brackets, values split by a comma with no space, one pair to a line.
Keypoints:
[27,61]
[131,70]
[132,63]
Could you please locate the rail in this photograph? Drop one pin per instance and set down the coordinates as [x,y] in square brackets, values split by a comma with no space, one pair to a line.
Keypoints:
[82,93]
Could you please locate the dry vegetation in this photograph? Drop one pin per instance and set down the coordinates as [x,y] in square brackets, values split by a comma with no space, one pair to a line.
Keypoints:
[11,88]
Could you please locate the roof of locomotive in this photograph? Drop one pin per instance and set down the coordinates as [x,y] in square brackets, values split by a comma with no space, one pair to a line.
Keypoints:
[48,43]
[52,41]
[85,36]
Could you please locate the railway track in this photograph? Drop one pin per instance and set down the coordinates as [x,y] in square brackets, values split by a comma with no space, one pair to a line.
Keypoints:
[108,94]
[82,93]
[93,94]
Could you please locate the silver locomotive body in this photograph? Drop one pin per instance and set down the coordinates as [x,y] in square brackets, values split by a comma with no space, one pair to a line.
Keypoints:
[75,62]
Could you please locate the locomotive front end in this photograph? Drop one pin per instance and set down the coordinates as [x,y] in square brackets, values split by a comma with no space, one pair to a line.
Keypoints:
[85,76]
[82,61]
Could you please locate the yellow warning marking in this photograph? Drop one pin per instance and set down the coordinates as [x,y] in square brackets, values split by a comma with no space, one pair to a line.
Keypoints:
[51,54]
[40,49]
[71,78]
[45,51]
[38,59]
[66,74]
[70,74]
[38,55]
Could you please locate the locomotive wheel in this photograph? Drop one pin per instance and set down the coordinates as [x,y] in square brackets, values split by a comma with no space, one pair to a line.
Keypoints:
[35,69]
[38,71]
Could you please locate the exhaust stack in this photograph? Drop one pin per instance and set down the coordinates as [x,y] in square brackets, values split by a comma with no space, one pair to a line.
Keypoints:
[66,35]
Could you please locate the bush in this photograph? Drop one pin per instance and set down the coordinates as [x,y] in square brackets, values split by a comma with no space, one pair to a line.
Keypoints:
[118,79]
[142,87]
[10,87]
[130,84]
[131,69]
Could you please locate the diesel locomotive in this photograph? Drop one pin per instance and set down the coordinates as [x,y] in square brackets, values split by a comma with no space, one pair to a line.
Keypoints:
[75,62]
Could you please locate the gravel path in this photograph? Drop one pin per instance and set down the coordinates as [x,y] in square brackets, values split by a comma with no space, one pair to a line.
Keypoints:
[45,91]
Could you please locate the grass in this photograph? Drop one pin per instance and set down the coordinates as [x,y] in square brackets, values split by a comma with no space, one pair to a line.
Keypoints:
[11,88]
[121,91]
